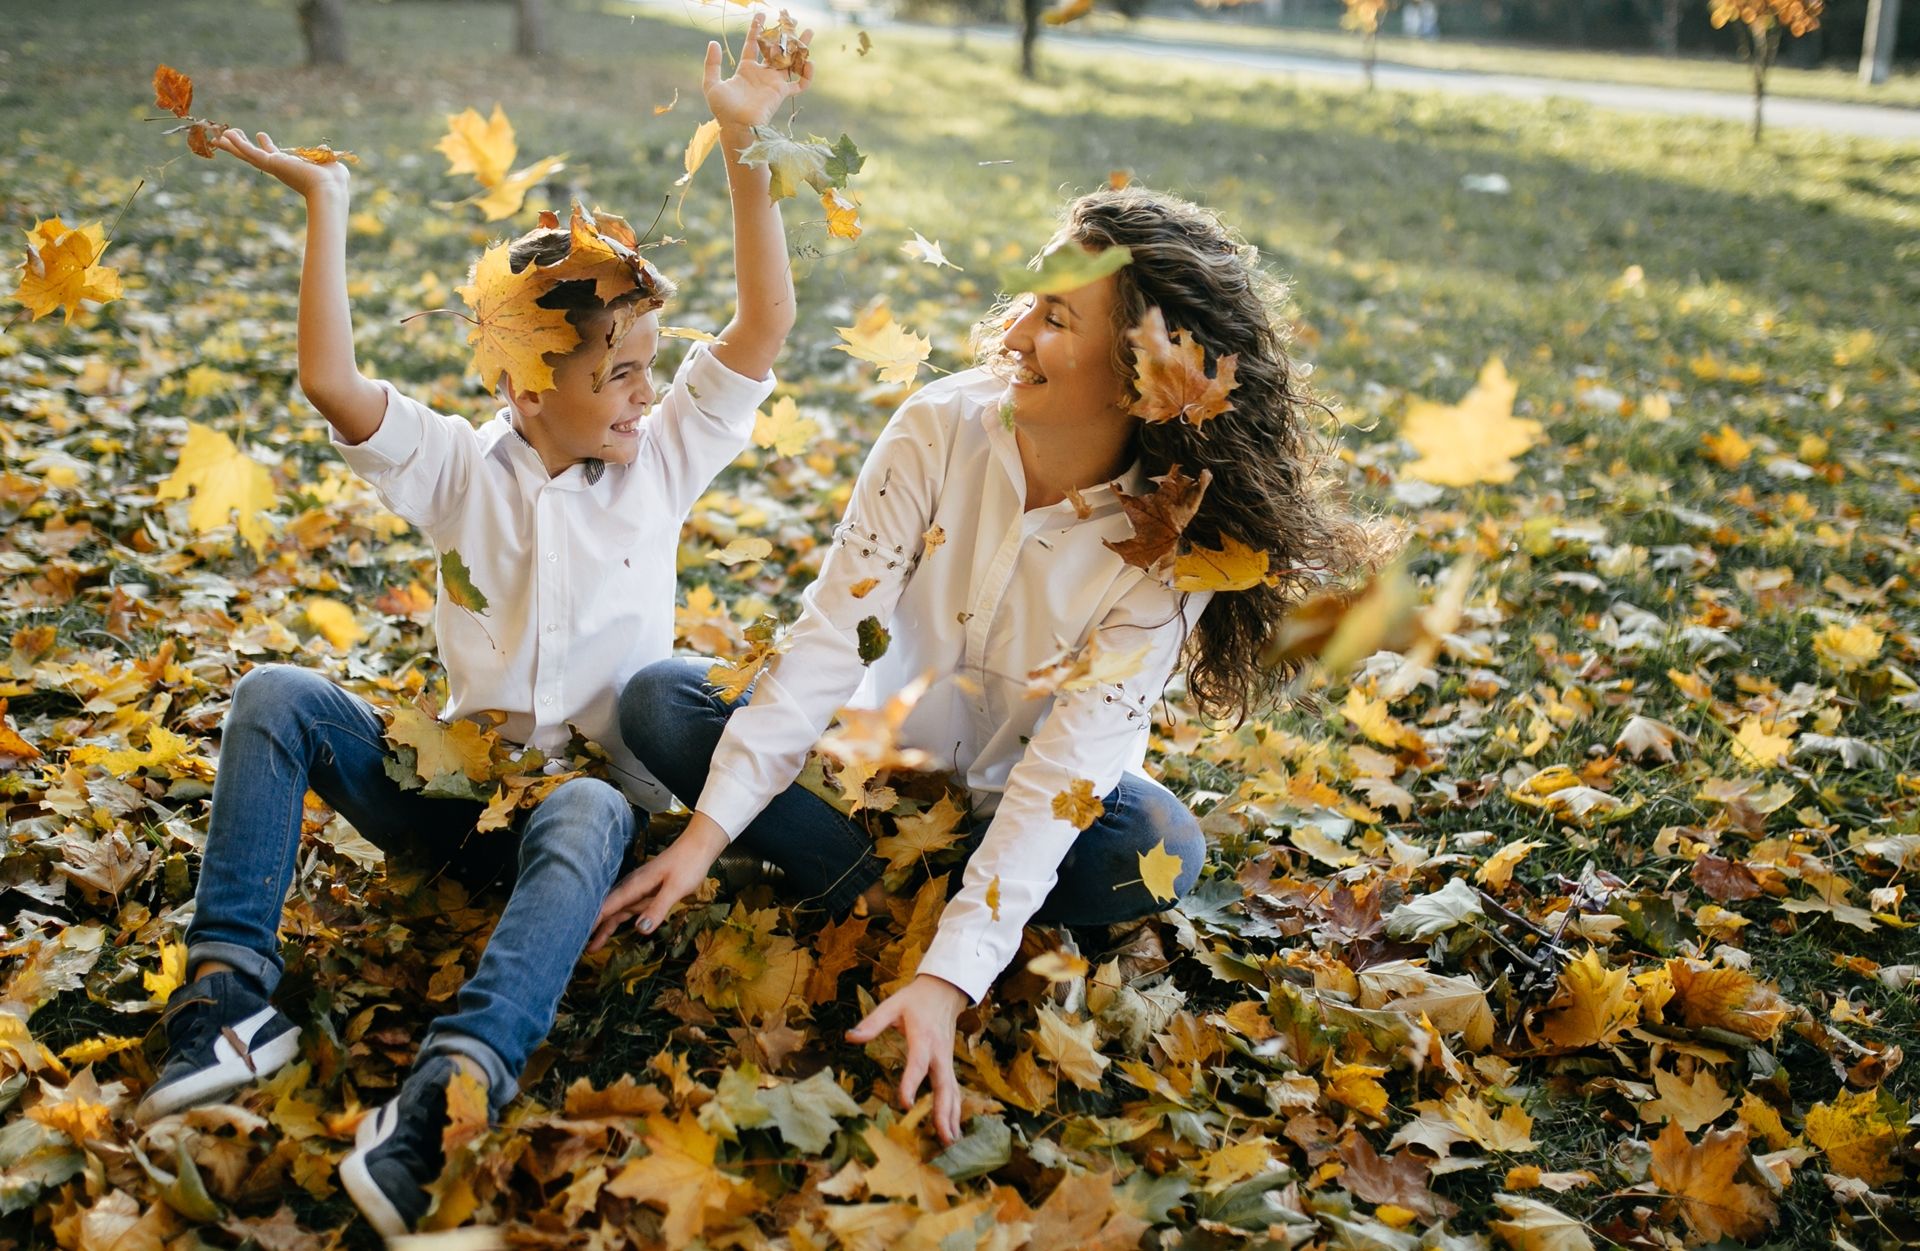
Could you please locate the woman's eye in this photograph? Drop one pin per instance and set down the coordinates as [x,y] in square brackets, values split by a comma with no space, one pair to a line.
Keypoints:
[1056,323]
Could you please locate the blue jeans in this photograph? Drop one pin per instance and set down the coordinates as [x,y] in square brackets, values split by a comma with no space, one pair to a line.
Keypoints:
[672,720]
[290,730]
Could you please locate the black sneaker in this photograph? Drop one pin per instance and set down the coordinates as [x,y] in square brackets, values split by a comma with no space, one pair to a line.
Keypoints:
[396,1153]
[221,1034]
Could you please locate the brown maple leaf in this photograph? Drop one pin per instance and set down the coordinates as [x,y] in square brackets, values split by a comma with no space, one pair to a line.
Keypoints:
[1399,1178]
[1170,374]
[1700,1179]
[172,91]
[1158,519]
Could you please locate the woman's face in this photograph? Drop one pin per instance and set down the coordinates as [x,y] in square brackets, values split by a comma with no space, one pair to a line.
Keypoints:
[1061,348]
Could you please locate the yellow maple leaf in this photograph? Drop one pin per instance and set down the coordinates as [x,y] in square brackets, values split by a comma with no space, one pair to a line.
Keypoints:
[79,1109]
[1160,872]
[699,147]
[1094,665]
[1726,447]
[334,621]
[466,1112]
[172,973]
[1357,1086]
[1233,566]
[921,835]
[1512,1130]
[899,1173]
[163,749]
[1371,718]
[484,148]
[1857,1135]
[512,334]
[1724,998]
[843,214]
[1476,440]
[1691,1102]
[1700,1181]
[879,340]
[1759,744]
[1593,1005]
[1535,1226]
[1498,869]
[1074,1049]
[782,430]
[678,1176]
[62,269]
[504,198]
[94,1050]
[1848,647]
[442,747]
[744,965]
[224,481]
[1078,805]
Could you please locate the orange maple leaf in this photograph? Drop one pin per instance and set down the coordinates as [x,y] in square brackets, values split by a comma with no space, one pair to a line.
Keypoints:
[172,91]
[1700,1179]
[1170,374]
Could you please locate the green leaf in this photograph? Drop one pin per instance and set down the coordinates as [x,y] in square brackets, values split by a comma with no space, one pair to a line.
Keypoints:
[1066,266]
[844,161]
[988,1144]
[874,640]
[458,581]
[807,1113]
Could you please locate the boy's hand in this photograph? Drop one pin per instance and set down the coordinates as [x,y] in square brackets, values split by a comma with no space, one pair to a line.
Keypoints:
[652,890]
[756,90]
[926,1011]
[305,177]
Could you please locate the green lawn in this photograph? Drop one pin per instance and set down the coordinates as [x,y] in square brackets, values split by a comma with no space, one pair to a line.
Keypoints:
[1647,281]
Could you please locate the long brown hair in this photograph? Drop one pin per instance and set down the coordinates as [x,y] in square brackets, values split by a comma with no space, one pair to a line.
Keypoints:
[1272,486]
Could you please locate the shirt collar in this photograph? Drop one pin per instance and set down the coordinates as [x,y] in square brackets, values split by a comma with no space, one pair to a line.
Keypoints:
[513,449]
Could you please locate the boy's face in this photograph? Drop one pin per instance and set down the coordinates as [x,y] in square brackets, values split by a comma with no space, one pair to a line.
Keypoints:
[573,422]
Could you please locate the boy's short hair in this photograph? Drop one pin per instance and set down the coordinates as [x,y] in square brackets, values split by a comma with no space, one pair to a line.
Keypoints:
[550,245]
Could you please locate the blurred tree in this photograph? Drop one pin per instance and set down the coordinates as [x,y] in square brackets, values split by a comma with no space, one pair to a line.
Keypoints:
[530,28]
[1761,22]
[323,26]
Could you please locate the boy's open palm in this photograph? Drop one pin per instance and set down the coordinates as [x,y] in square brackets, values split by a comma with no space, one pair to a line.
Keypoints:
[303,176]
[755,90]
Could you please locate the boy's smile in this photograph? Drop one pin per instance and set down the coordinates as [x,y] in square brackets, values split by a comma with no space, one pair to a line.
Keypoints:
[573,422]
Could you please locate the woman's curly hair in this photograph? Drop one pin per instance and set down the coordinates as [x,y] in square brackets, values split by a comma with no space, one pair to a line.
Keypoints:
[1272,488]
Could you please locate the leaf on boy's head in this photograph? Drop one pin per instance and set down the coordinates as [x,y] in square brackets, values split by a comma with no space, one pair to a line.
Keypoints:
[1159,518]
[172,91]
[1066,266]
[512,334]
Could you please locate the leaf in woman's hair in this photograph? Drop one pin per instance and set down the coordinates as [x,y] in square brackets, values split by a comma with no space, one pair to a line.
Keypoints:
[1170,373]
[1159,518]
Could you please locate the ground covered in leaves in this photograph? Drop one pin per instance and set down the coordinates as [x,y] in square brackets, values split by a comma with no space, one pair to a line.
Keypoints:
[1590,927]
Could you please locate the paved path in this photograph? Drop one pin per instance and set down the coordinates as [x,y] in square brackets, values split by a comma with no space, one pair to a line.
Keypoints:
[1868,120]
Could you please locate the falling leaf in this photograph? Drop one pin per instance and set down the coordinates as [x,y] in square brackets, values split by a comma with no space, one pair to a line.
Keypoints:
[1476,440]
[484,148]
[843,214]
[227,486]
[1170,376]
[456,580]
[1078,805]
[928,253]
[504,198]
[731,678]
[789,163]
[512,334]
[1159,518]
[1066,266]
[742,550]
[1160,871]
[1070,11]
[879,340]
[323,154]
[782,430]
[172,91]
[62,269]
[993,897]
[705,136]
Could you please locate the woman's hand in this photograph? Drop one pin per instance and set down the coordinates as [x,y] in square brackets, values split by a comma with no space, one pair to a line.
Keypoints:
[652,890]
[755,91]
[303,176]
[926,1012]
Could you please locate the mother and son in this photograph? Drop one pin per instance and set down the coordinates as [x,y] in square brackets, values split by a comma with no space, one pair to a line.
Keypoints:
[567,508]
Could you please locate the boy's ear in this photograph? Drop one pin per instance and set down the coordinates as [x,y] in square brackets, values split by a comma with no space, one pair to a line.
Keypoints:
[526,403]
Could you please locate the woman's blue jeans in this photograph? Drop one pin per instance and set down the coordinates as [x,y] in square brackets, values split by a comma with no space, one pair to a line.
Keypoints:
[291,729]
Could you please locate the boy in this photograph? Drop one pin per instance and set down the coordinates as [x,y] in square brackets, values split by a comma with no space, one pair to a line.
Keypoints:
[566,509]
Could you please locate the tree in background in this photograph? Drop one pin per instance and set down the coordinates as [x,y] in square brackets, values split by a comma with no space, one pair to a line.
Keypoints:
[323,27]
[530,28]
[1365,16]
[1761,22]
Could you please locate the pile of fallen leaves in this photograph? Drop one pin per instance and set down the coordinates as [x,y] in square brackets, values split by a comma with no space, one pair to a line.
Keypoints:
[1573,913]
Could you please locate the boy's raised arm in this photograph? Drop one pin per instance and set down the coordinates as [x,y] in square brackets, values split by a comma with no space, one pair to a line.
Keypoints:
[762,273]
[329,377]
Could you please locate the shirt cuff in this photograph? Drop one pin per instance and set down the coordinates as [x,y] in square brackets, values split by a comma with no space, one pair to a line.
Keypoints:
[957,956]
[719,392]
[393,441]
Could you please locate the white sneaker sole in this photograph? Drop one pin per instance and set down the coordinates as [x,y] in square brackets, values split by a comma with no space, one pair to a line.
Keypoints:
[366,1194]
[228,1073]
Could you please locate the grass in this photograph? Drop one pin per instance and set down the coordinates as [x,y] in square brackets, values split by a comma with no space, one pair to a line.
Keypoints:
[1644,256]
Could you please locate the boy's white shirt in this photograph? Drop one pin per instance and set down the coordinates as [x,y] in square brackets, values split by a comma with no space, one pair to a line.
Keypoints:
[1007,592]
[578,574]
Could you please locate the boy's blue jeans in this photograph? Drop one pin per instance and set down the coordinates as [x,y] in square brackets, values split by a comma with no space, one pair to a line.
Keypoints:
[672,720]
[290,730]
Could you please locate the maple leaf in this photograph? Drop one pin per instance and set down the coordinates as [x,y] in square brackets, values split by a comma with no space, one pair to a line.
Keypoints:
[323,154]
[172,91]
[81,1109]
[1690,1102]
[484,148]
[1848,648]
[843,214]
[1074,1049]
[1160,872]
[919,248]
[224,481]
[442,748]
[879,340]
[1724,998]
[1158,519]
[62,269]
[1093,665]
[808,1113]
[782,430]
[920,835]
[742,550]
[780,46]
[837,950]
[504,198]
[1399,1178]
[1497,870]
[1512,1130]
[1759,743]
[172,973]
[789,163]
[705,136]
[1078,806]
[456,580]
[899,1173]
[1233,566]
[334,621]
[1170,376]
[1858,1134]
[1476,440]
[1593,1006]
[1700,1178]
[466,1112]
[731,678]
[512,334]
[743,965]
[1535,1226]
[679,1176]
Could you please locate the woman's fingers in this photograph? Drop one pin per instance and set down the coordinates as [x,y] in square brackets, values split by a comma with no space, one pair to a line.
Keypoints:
[917,1057]
[946,1096]
[875,1023]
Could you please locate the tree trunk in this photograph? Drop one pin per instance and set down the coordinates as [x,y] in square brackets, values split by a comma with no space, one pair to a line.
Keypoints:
[1666,32]
[530,28]
[1762,47]
[1876,51]
[1029,35]
[1371,44]
[323,26]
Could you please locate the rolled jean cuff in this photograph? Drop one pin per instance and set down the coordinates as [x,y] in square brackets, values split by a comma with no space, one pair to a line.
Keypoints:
[502,1083]
[264,970]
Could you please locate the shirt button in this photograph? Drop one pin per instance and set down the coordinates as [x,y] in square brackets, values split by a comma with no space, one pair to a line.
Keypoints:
[552,626]
[546,699]
[552,556]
